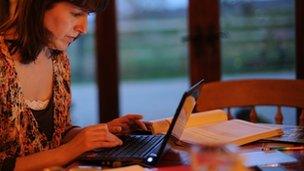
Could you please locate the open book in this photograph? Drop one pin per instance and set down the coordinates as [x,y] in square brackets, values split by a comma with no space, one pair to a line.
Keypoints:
[213,127]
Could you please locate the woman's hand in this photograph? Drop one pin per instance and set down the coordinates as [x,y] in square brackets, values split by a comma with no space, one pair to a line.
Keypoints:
[89,138]
[126,124]
[92,137]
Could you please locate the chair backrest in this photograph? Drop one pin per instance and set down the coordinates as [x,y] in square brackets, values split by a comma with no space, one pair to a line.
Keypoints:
[251,93]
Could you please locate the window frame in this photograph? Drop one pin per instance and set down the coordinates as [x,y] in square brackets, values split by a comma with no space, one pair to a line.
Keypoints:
[204,50]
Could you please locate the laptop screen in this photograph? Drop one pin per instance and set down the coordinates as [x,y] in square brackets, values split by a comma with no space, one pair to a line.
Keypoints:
[184,110]
[182,114]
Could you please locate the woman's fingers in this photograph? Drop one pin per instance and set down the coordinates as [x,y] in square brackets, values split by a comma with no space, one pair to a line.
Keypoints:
[113,138]
[135,119]
[102,134]
[141,124]
[126,123]
[134,116]
[104,144]
[99,127]
[98,136]
[115,129]
[128,118]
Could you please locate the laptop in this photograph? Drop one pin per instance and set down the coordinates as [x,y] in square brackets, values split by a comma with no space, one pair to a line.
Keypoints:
[145,150]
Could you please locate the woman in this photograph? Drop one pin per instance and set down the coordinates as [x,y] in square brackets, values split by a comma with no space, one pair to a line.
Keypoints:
[36,130]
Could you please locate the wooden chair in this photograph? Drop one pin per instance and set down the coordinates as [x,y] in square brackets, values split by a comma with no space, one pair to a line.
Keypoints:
[251,93]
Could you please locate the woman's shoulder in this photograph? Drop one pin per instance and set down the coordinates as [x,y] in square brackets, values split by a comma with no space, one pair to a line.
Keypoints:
[62,60]
[62,65]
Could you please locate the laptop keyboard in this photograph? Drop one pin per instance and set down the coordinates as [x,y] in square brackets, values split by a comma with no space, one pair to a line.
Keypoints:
[135,146]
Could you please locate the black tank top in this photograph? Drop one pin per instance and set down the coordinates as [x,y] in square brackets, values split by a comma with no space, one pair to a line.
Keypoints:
[45,120]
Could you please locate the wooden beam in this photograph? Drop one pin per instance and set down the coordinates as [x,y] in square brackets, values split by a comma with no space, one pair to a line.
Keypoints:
[204,40]
[299,13]
[107,63]
[299,39]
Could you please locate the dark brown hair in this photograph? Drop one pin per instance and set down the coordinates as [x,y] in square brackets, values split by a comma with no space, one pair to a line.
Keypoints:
[32,36]
[4,10]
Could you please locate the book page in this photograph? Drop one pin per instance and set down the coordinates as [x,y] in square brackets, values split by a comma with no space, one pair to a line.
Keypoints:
[159,126]
[233,131]
[195,119]
[203,118]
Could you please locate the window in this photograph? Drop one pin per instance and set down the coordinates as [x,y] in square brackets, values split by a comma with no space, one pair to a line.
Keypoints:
[153,58]
[84,89]
[258,41]
[258,38]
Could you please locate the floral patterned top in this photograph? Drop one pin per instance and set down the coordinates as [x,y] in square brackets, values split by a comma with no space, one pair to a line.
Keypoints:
[19,134]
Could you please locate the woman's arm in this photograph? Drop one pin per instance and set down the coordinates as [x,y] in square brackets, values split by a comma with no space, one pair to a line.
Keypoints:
[88,138]
[55,157]
[70,134]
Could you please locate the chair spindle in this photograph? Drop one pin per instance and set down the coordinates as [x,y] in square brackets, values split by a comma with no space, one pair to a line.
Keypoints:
[253,115]
[229,114]
[301,119]
[279,116]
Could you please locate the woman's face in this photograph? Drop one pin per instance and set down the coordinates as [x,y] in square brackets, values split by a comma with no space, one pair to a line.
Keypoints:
[66,22]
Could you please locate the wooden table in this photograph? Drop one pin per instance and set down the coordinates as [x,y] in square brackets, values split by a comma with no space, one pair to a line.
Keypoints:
[178,156]
[179,159]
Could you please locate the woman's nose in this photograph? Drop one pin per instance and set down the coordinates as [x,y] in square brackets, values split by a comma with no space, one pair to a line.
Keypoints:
[82,25]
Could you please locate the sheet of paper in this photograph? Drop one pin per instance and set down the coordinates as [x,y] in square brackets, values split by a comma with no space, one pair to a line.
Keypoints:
[201,136]
[232,131]
[266,158]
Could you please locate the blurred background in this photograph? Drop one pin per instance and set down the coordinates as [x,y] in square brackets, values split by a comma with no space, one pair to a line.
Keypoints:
[257,41]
